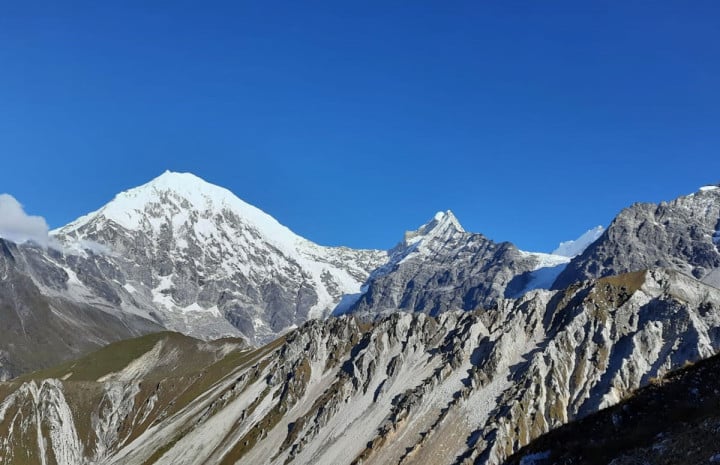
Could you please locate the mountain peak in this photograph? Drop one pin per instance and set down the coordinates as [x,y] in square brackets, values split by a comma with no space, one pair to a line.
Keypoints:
[187,185]
[173,195]
[176,179]
[443,223]
[447,219]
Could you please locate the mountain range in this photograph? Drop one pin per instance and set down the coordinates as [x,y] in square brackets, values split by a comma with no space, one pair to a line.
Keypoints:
[181,254]
[450,348]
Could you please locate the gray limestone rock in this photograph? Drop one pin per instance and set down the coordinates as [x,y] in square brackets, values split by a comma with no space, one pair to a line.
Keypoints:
[681,235]
[441,267]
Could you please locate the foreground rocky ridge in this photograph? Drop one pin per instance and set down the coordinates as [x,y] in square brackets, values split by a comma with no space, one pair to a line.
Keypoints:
[463,387]
[675,419]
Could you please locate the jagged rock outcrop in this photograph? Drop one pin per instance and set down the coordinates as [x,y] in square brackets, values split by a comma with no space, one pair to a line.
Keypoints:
[683,234]
[459,388]
[674,419]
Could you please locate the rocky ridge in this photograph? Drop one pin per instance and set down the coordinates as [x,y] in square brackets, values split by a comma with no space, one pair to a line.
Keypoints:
[681,234]
[440,267]
[462,387]
[674,419]
[42,323]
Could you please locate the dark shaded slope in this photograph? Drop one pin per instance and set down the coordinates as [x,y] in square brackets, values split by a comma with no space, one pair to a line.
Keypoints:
[674,420]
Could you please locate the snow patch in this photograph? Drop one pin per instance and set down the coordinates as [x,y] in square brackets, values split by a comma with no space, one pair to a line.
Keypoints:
[578,246]
[546,271]
[130,288]
[346,303]
[196,308]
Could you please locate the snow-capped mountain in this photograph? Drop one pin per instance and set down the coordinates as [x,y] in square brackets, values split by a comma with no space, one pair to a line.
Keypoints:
[441,267]
[201,261]
[448,355]
[182,254]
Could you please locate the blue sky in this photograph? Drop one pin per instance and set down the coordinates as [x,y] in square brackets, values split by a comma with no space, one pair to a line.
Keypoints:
[351,122]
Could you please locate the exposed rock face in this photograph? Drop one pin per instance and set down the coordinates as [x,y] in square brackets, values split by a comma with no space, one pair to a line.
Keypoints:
[201,261]
[177,253]
[682,234]
[465,387]
[42,325]
[441,267]
[181,254]
[675,419]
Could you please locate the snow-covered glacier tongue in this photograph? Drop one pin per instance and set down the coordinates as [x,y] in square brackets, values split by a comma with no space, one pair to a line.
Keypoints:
[549,266]
[573,248]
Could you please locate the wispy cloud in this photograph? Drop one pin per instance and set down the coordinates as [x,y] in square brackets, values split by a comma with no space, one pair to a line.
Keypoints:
[18,226]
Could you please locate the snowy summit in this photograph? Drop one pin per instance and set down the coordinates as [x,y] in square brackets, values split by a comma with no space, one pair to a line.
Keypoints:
[573,248]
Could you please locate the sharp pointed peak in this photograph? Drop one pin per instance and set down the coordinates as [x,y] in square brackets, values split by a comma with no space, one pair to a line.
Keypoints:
[443,222]
[446,218]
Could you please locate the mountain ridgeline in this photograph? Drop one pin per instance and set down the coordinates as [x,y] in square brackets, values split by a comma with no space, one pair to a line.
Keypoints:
[184,255]
[449,348]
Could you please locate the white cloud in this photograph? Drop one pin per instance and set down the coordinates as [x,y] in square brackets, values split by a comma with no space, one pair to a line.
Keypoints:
[18,226]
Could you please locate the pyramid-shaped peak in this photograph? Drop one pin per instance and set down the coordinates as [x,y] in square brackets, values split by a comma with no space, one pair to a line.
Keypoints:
[182,183]
[442,223]
[444,219]
[177,194]
[177,177]
[198,193]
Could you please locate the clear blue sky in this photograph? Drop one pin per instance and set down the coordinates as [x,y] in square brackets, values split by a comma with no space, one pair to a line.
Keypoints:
[351,122]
